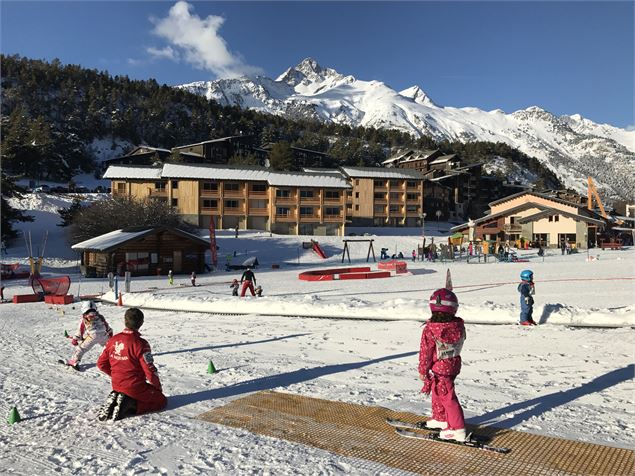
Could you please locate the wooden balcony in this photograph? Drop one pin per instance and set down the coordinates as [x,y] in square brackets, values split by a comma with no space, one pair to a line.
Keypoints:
[260,212]
[158,192]
[512,228]
[209,193]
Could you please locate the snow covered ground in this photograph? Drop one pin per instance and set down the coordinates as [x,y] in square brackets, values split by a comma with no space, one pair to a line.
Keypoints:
[559,379]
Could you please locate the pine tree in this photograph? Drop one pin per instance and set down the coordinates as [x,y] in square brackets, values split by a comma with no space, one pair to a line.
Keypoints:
[10,214]
[281,156]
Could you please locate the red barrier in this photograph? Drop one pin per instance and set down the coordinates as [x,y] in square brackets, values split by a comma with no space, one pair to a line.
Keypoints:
[342,273]
[398,267]
[20,298]
[51,299]
[51,286]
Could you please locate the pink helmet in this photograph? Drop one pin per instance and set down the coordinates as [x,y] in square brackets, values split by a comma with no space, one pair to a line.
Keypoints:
[444,300]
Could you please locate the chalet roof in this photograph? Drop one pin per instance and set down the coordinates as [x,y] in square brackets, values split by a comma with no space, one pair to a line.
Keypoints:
[536,194]
[132,172]
[554,211]
[254,173]
[220,139]
[321,170]
[425,155]
[114,239]
[442,159]
[491,216]
[381,172]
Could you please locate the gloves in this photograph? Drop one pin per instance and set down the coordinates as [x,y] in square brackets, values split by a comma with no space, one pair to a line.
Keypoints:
[528,300]
[427,384]
[74,341]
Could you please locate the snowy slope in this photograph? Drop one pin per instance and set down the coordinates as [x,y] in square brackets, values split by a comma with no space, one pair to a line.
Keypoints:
[570,382]
[571,146]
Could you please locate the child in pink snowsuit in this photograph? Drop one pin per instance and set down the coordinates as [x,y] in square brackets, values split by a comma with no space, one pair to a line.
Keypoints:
[440,363]
[93,329]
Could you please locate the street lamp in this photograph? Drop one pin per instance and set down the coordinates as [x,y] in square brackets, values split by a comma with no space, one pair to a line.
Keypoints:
[423,234]
[439,213]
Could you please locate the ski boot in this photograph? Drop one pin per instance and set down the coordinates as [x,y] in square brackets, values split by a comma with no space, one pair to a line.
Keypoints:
[105,412]
[124,407]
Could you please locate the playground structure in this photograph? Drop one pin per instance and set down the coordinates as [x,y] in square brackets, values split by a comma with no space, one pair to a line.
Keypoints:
[315,246]
[399,267]
[50,290]
[334,274]
[346,250]
[10,271]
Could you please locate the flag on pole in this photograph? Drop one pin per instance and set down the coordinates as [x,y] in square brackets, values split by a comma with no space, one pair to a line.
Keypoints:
[448,281]
[212,241]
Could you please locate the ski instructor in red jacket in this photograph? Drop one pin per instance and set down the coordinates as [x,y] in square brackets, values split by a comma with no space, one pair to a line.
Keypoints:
[127,359]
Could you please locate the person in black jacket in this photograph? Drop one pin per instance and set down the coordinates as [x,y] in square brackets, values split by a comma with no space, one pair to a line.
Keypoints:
[248,280]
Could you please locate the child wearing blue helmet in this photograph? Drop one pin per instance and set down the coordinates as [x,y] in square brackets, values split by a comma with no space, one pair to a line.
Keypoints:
[526,289]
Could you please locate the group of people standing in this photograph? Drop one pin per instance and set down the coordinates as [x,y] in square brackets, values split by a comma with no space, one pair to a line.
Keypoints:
[248,280]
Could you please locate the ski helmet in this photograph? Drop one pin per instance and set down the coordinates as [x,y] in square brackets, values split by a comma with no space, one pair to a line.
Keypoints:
[88,306]
[444,300]
[527,275]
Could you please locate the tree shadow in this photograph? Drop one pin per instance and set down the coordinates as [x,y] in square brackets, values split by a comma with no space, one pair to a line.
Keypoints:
[222,346]
[543,404]
[273,381]
[548,310]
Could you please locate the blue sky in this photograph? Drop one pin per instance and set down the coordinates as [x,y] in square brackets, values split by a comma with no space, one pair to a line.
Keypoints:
[567,57]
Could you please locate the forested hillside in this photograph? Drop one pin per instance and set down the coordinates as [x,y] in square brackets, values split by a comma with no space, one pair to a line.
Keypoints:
[52,115]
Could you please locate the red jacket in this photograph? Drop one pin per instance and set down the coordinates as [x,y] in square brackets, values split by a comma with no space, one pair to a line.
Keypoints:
[441,344]
[128,360]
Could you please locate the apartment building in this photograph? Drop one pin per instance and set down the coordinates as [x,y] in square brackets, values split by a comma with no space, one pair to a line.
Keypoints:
[243,197]
[384,196]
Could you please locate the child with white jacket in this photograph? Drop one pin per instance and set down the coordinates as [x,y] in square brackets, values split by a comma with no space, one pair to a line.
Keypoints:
[93,329]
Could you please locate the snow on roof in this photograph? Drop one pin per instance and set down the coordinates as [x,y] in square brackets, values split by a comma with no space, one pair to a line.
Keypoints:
[380,172]
[318,170]
[132,172]
[254,173]
[443,158]
[215,172]
[114,238]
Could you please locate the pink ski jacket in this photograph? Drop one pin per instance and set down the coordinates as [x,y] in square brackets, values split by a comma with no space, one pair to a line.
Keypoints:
[441,344]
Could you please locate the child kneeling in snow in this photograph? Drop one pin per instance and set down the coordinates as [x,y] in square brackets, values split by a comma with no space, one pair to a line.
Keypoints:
[440,363]
[93,329]
[127,359]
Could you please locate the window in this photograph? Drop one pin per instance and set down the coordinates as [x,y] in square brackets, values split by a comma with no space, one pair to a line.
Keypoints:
[259,187]
[349,206]
[412,196]
[306,211]
[282,211]
[159,186]
[556,218]
[231,203]
[175,184]
[283,193]
[175,202]
[332,211]
[356,208]
[137,261]
[379,209]
[210,187]
[412,208]
[231,187]
[394,183]
[356,194]
[356,181]
[395,196]
[379,183]
[207,203]
[395,208]
[306,193]
[379,196]
[331,194]
[412,184]
[121,187]
[257,204]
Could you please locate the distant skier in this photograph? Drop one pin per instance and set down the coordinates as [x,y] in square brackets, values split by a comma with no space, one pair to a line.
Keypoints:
[128,360]
[193,278]
[234,287]
[258,291]
[414,256]
[440,362]
[248,279]
[170,278]
[93,329]
[526,289]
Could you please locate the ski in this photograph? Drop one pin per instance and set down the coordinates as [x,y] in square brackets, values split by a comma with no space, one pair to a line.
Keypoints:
[420,425]
[74,367]
[470,442]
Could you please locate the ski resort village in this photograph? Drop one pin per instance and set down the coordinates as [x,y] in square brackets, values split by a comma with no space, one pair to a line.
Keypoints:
[307,273]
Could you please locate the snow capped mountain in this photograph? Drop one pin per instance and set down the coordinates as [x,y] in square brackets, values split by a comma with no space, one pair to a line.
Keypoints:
[571,146]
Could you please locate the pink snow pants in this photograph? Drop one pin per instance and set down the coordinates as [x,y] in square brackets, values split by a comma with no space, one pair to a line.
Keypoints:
[247,285]
[445,404]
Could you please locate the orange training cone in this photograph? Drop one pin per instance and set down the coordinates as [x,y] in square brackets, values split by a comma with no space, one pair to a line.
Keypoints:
[119,301]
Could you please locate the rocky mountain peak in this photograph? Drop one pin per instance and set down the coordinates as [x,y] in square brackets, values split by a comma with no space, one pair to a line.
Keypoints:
[418,95]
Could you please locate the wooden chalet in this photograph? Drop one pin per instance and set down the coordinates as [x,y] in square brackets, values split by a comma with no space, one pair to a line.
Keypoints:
[144,251]
[140,155]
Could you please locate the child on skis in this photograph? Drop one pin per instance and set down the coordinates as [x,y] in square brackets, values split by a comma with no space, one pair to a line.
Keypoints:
[234,287]
[93,329]
[258,291]
[526,289]
[128,360]
[440,363]
[193,278]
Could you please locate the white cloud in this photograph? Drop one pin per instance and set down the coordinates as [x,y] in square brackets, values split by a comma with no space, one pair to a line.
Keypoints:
[198,42]
[163,53]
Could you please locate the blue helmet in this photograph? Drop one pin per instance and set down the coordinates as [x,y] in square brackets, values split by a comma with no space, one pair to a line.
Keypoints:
[527,275]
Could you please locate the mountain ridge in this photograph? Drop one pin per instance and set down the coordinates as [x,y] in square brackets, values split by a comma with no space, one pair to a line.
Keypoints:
[572,146]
